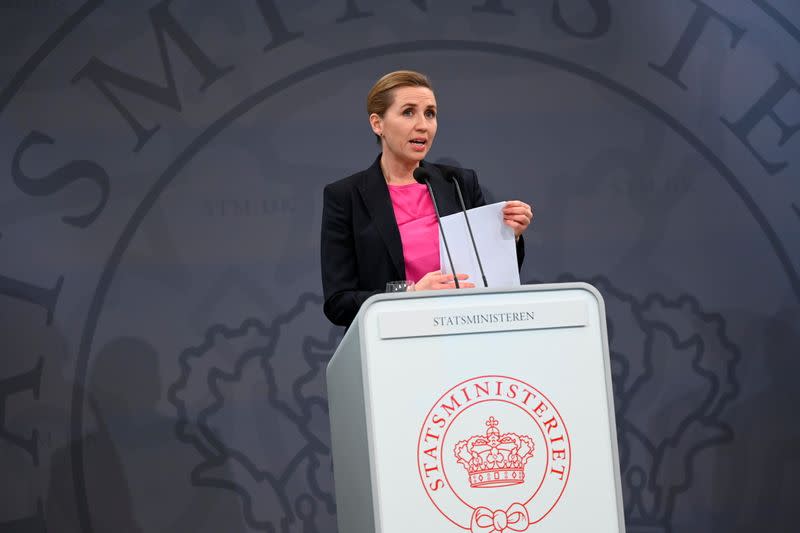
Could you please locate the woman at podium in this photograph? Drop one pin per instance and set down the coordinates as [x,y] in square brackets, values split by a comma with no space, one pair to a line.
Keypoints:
[380,225]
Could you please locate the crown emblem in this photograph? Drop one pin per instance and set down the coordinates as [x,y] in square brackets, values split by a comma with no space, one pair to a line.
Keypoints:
[495,459]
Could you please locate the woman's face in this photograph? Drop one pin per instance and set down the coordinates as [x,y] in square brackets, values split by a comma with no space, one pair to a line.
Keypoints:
[409,125]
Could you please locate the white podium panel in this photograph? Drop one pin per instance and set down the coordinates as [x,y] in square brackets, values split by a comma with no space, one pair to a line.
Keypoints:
[476,410]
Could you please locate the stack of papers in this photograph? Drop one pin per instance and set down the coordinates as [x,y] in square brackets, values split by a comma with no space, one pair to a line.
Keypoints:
[495,243]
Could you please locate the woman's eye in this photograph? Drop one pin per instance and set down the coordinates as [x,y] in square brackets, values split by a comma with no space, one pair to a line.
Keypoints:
[408,112]
[430,114]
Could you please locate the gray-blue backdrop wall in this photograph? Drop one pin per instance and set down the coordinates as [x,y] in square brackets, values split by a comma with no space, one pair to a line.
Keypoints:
[161,175]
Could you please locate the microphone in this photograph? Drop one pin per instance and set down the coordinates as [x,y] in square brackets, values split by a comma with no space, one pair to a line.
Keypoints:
[422,175]
[454,179]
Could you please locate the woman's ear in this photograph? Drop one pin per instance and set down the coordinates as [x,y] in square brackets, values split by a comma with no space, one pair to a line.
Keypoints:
[377,124]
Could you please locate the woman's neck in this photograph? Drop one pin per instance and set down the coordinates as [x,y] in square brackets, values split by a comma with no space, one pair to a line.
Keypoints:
[398,172]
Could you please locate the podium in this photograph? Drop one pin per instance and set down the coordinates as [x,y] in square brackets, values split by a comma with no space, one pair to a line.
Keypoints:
[479,410]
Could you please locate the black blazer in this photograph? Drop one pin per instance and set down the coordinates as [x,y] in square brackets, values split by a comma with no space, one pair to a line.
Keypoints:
[361,248]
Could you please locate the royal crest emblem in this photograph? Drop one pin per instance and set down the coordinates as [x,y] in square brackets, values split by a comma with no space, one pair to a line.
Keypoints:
[504,478]
[495,459]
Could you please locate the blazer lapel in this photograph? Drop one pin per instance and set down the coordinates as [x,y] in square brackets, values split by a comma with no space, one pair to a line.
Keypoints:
[446,196]
[376,198]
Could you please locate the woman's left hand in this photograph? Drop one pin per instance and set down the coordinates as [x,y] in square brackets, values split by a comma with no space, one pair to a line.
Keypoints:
[518,215]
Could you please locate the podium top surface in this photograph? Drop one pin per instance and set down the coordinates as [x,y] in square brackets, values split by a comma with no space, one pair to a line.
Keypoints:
[539,287]
[479,310]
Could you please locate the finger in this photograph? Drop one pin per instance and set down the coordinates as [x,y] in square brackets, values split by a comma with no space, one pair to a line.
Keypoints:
[517,207]
[526,209]
[513,211]
[519,219]
[468,285]
[519,213]
[435,277]
[518,216]
[516,226]
[463,276]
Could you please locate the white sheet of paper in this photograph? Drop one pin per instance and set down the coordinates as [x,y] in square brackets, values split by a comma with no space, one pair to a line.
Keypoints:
[495,243]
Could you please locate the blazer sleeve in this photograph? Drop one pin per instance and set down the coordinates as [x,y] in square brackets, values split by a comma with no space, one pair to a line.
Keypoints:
[340,284]
[477,199]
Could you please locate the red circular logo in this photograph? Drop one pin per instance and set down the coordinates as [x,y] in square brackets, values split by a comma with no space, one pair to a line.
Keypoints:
[494,455]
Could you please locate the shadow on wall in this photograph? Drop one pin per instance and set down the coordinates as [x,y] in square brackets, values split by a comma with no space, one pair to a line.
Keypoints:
[765,461]
[137,476]
[34,411]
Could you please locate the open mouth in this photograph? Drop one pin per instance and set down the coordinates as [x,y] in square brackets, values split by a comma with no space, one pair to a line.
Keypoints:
[418,144]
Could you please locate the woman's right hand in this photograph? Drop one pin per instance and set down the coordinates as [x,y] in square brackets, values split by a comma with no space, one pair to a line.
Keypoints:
[435,280]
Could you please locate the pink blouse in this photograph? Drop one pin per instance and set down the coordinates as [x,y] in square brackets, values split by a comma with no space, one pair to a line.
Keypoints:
[419,232]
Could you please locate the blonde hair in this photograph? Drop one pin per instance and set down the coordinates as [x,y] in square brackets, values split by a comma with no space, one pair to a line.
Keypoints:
[381,96]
